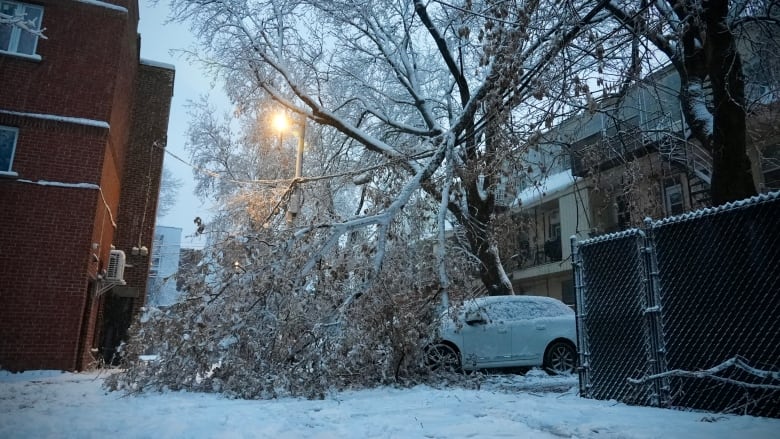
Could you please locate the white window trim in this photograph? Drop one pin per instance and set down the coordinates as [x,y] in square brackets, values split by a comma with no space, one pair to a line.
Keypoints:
[674,186]
[9,171]
[34,57]
[16,32]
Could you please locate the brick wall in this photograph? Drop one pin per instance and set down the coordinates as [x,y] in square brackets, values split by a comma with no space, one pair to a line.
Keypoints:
[46,248]
[44,255]
[141,177]
[79,63]
[57,239]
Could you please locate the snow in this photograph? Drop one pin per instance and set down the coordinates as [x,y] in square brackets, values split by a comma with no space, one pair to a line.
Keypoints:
[548,188]
[56,118]
[611,236]
[104,5]
[734,205]
[162,65]
[61,184]
[698,98]
[50,404]
[508,307]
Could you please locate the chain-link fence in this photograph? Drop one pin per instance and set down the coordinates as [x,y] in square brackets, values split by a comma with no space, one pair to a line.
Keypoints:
[685,312]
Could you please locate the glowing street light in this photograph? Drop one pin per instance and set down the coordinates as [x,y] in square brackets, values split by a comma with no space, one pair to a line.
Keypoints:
[282,123]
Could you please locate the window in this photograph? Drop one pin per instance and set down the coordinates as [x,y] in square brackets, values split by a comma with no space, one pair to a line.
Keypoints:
[673,198]
[554,231]
[154,267]
[770,167]
[8,138]
[14,39]
[567,292]
[501,198]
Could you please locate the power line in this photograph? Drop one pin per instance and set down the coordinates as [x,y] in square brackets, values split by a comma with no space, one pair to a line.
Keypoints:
[213,174]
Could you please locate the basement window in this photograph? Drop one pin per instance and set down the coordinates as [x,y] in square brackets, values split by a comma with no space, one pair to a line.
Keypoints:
[17,20]
[8,138]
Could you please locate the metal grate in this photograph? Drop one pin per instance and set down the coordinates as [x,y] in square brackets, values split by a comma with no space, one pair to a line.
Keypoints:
[659,307]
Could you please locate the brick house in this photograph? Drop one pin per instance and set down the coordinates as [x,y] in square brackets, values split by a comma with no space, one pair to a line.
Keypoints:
[83,123]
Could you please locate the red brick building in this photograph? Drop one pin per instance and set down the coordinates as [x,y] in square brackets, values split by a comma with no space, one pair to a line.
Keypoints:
[83,124]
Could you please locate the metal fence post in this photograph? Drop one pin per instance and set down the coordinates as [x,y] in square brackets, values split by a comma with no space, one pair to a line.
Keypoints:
[582,341]
[657,345]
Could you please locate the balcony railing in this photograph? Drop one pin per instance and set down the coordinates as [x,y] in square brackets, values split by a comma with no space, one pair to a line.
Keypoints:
[622,142]
[529,256]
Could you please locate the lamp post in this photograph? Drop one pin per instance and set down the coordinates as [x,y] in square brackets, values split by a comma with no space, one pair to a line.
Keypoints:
[282,123]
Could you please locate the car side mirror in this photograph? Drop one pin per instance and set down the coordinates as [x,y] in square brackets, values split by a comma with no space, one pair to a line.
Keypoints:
[475,317]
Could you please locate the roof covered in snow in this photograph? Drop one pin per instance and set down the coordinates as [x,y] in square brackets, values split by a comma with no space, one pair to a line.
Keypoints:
[162,65]
[549,188]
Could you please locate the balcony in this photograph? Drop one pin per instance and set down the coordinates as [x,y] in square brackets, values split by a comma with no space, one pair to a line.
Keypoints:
[622,142]
[529,256]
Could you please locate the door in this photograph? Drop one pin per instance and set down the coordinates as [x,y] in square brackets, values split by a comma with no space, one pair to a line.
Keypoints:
[530,333]
[487,342]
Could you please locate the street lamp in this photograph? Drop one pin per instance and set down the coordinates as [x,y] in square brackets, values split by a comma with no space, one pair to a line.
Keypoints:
[282,123]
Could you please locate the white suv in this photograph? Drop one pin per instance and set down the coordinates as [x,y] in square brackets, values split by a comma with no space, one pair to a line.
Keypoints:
[507,331]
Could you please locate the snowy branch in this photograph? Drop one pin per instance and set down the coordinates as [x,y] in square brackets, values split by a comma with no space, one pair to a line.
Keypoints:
[22,23]
[711,373]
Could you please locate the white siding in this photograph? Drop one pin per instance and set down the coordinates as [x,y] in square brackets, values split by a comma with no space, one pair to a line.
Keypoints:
[572,206]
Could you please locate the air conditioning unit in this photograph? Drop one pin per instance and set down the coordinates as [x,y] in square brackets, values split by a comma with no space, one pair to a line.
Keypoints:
[116,266]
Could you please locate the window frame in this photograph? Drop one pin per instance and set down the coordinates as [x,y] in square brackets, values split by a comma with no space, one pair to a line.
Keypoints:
[500,192]
[554,225]
[673,187]
[14,143]
[15,35]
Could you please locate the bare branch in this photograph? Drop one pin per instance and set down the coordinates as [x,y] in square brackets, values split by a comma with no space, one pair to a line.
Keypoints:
[711,373]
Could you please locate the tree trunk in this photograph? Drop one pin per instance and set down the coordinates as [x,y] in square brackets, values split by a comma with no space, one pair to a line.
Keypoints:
[483,243]
[492,271]
[718,61]
[732,178]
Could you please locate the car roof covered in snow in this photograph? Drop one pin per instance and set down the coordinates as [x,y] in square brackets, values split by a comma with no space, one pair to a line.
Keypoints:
[539,303]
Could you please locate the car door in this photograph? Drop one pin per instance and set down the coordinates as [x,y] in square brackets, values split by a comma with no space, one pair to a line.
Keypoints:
[487,342]
[529,334]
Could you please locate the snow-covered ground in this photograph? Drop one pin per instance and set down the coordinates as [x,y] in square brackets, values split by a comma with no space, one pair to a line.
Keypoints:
[48,404]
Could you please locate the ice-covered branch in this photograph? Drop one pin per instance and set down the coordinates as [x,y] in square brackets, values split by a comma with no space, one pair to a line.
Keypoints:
[318,111]
[23,24]
[711,373]
[442,217]
[381,219]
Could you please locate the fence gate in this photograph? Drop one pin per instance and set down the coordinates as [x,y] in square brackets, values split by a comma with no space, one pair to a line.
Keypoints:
[684,312]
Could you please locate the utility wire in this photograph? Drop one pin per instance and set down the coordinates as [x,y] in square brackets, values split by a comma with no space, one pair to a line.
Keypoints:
[289,180]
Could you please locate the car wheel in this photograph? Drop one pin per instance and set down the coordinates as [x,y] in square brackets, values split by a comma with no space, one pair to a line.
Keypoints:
[443,358]
[560,358]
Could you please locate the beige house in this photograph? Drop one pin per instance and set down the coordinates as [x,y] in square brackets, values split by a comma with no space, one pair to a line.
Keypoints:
[629,160]
[548,214]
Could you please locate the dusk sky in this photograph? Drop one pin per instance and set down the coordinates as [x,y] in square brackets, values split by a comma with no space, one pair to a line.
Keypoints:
[158,39]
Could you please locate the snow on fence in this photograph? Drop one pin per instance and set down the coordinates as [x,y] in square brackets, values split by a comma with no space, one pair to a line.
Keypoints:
[684,312]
